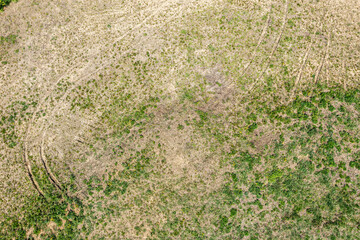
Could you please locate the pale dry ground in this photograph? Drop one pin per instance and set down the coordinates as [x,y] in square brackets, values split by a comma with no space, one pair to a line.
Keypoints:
[69,42]
[66,44]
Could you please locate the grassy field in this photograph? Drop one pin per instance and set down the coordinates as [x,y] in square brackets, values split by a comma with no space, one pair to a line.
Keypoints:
[232,119]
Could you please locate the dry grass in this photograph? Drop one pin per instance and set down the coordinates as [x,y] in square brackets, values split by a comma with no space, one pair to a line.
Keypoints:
[158,98]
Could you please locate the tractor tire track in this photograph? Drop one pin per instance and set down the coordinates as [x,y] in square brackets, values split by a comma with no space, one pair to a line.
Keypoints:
[40,105]
[51,176]
[274,48]
[30,173]
[231,84]
[303,63]
[63,98]
[323,59]
[261,39]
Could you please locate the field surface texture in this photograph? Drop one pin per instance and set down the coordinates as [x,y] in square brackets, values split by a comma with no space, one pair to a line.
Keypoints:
[180,119]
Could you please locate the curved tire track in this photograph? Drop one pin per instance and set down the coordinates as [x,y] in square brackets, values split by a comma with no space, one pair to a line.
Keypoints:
[42,101]
[323,59]
[274,48]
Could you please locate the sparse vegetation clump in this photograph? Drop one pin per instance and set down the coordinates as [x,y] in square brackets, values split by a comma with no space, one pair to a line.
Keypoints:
[4,3]
[186,120]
